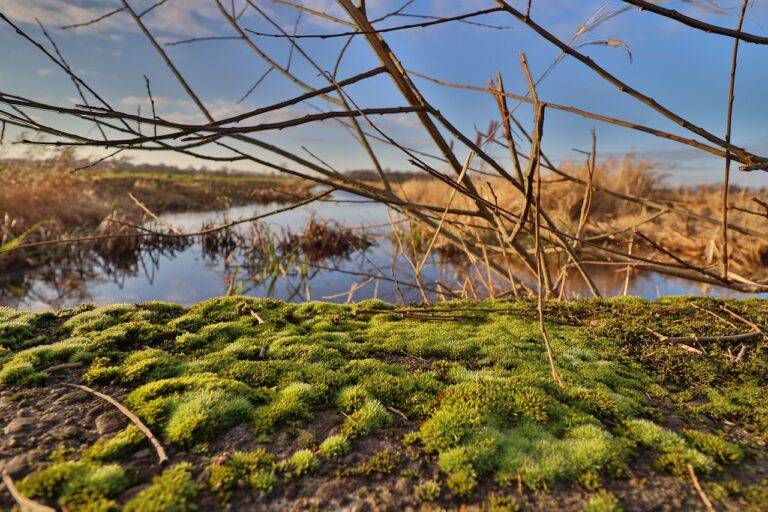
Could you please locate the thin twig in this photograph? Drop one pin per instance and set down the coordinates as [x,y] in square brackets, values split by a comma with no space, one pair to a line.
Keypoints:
[25,504]
[162,457]
[704,498]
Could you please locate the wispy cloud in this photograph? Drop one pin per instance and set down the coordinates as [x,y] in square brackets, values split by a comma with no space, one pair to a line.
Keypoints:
[189,17]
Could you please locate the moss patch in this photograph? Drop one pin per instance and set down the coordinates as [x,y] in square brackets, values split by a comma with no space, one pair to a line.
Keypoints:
[462,410]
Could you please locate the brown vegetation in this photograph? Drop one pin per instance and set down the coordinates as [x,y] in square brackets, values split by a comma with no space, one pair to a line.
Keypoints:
[616,223]
[44,200]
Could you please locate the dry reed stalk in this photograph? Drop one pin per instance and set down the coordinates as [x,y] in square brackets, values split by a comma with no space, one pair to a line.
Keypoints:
[729,125]
[464,169]
[540,264]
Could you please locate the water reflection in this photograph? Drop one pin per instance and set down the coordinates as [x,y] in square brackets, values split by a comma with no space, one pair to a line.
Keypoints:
[189,271]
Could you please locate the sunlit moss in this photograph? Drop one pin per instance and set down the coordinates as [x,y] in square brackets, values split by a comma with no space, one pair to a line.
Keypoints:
[77,485]
[26,367]
[195,407]
[603,501]
[291,404]
[244,469]
[172,491]
[721,450]
[334,446]
[429,490]
[113,448]
[674,454]
[372,415]
[475,394]
[298,464]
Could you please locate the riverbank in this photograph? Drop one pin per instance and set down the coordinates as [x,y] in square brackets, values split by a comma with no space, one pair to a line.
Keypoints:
[260,403]
[47,201]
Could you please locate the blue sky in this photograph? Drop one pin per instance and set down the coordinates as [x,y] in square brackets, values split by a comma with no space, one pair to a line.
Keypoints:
[682,68]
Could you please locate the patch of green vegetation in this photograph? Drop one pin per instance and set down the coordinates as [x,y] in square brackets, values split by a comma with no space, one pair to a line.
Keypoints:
[298,464]
[674,453]
[722,450]
[25,367]
[603,501]
[77,485]
[382,462]
[371,416]
[334,446]
[114,448]
[475,394]
[195,407]
[173,491]
[501,503]
[244,469]
[428,490]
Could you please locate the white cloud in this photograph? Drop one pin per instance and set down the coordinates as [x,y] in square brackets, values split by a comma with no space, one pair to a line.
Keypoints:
[41,72]
[181,18]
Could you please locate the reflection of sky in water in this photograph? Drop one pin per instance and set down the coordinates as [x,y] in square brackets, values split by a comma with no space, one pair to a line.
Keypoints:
[187,277]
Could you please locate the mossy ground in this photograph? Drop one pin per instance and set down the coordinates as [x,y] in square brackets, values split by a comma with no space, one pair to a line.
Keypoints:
[331,406]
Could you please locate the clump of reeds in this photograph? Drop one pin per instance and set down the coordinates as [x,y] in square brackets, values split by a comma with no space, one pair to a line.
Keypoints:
[616,222]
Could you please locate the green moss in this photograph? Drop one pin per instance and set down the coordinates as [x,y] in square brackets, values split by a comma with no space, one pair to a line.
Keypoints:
[371,416]
[24,368]
[195,407]
[382,462]
[603,501]
[113,448]
[77,485]
[674,454]
[352,398]
[243,469]
[291,405]
[501,503]
[298,464]
[428,490]
[334,446]
[721,450]
[476,394]
[172,491]
[202,414]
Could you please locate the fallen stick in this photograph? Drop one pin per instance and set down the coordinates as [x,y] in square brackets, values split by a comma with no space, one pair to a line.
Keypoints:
[673,341]
[25,504]
[135,419]
[753,325]
[697,486]
[706,339]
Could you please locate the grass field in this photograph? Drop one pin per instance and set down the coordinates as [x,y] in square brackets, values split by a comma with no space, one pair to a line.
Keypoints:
[268,405]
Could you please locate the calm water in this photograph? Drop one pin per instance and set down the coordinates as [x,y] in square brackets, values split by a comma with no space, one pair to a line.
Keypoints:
[188,276]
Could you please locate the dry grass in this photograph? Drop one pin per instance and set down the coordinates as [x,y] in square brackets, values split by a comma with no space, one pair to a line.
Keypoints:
[611,219]
[43,200]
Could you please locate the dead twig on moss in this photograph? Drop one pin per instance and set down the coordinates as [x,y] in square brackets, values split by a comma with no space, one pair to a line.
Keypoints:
[684,340]
[25,504]
[750,323]
[704,498]
[161,455]
[541,268]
